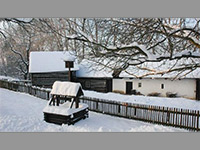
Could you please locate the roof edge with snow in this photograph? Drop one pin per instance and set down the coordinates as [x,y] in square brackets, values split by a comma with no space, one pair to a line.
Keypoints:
[66,88]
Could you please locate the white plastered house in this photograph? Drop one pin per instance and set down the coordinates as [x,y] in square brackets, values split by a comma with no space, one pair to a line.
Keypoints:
[187,86]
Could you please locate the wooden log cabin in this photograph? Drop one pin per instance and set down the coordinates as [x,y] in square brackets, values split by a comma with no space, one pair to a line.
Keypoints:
[47,67]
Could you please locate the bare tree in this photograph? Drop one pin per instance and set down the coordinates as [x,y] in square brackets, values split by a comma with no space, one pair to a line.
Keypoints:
[154,46]
[129,44]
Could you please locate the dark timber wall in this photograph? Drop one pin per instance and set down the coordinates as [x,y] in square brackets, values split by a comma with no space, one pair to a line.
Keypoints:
[96,84]
[47,79]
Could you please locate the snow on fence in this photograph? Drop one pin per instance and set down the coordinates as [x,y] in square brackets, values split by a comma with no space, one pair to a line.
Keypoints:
[182,118]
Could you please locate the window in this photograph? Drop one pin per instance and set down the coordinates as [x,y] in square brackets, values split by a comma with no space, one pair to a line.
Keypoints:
[139,84]
[162,86]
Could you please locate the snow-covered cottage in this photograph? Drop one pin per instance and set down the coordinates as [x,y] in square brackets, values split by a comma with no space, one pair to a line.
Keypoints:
[47,67]
[187,86]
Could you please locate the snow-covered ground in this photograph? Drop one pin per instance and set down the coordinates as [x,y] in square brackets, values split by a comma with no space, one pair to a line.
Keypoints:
[157,101]
[20,112]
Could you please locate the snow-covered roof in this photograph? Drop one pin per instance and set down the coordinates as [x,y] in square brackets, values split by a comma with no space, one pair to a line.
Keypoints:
[69,58]
[90,69]
[50,61]
[65,88]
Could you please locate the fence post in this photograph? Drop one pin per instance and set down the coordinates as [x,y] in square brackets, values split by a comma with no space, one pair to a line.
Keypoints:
[181,117]
[97,105]
[163,108]
[118,109]
[168,115]
[135,111]
[198,120]
[126,108]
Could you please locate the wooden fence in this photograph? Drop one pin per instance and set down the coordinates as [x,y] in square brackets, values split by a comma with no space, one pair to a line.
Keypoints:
[26,88]
[176,117]
[182,118]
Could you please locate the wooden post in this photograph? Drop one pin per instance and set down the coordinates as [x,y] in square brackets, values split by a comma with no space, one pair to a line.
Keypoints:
[163,108]
[119,109]
[168,115]
[187,118]
[57,100]
[76,102]
[192,119]
[159,114]
[47,95]
[97,105]
[181,117]
[54,97]
[126,109]
[198,120]
[135,111]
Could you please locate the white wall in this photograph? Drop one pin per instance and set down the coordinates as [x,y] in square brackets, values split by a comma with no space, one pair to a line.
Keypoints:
[184,87]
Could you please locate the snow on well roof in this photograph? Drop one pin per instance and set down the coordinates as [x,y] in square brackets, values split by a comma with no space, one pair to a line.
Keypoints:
[65,88]
[51,61]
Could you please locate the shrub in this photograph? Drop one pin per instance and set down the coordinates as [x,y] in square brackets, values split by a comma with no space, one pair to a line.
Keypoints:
[154,94]
[135,92]
[170,94]
[118,91]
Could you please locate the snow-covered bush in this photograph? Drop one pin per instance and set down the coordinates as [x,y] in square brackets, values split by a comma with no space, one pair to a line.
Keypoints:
[154,94]
[118,91]
[135,92]
[171,94]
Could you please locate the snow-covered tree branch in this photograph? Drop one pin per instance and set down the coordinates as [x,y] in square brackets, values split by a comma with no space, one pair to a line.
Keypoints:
[122,44]
[133,42]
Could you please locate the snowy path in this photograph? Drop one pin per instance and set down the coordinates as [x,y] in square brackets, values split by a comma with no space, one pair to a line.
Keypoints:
[21,112]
